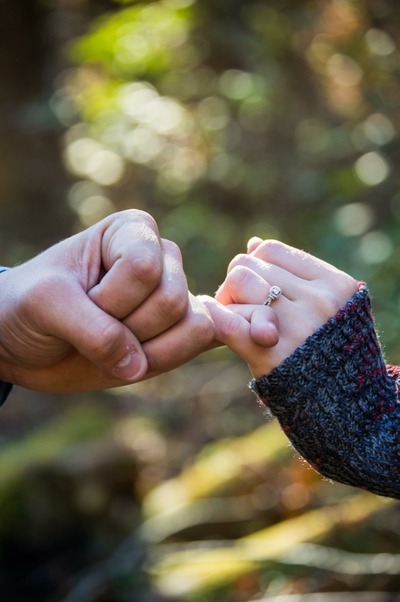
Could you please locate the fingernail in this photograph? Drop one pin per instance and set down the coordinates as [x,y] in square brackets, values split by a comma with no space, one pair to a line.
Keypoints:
[128,367]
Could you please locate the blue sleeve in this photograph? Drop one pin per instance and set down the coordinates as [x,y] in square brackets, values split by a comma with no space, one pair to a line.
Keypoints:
[5,388]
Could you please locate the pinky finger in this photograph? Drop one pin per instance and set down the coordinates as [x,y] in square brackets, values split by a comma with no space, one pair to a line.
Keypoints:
[263,323]
[230,328]
[264,327]
[244,328]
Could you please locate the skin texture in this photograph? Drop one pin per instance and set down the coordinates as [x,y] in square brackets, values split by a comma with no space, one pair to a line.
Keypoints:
[312,292]
[69,315]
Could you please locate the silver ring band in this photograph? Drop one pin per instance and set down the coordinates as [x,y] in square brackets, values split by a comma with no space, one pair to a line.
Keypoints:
[274,293]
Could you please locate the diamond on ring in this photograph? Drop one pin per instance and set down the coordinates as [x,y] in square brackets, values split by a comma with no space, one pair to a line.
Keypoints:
[274,293]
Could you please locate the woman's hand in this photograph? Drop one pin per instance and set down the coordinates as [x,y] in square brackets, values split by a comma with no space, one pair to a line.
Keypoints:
[312,292]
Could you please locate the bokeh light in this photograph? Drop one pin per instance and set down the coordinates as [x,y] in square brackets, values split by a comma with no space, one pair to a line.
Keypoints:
[223,120]
[372,168]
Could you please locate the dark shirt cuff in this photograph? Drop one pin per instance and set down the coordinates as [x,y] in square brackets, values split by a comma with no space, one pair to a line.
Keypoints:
[5,388]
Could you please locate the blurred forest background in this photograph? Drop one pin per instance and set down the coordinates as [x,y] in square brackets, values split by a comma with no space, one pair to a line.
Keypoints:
[223,119]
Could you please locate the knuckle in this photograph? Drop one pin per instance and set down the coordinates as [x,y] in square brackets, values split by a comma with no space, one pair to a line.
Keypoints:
[270,248]
[172,248]
[332,305]
[174,303]
[239,276]
[346,286]
[202,327]
[325,301]
[229,328]
[240,259]
[138,215]
[146,268]
[105,346]
[147,219]
[335,299]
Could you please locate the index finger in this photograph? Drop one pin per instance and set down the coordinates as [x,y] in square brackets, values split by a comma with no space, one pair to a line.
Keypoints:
[132,257]
[297,262]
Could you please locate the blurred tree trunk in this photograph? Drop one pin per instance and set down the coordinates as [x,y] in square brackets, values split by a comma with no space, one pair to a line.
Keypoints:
[33,183]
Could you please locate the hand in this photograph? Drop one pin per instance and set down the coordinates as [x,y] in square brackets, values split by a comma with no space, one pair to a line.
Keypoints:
[189,337]
[312,292]
[69,315]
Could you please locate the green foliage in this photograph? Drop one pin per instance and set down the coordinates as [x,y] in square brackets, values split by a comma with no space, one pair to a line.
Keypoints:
[124,45]
[271,118]
[230,119]
[224,119]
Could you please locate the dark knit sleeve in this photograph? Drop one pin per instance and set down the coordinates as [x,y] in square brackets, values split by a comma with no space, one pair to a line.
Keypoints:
[338,402]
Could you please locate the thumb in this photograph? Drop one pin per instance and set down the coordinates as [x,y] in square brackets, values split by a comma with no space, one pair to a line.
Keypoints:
[101,338]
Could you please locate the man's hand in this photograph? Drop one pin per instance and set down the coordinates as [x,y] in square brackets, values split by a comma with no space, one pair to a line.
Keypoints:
[73,318]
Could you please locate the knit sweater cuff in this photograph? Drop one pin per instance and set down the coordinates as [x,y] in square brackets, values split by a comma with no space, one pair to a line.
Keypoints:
[338,402]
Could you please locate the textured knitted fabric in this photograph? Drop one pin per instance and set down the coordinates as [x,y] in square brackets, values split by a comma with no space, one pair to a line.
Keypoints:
[338,402]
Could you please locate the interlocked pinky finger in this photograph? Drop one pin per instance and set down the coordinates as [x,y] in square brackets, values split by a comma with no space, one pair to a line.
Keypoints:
[264,326]
[263,323]
[244,328]
[230,328]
